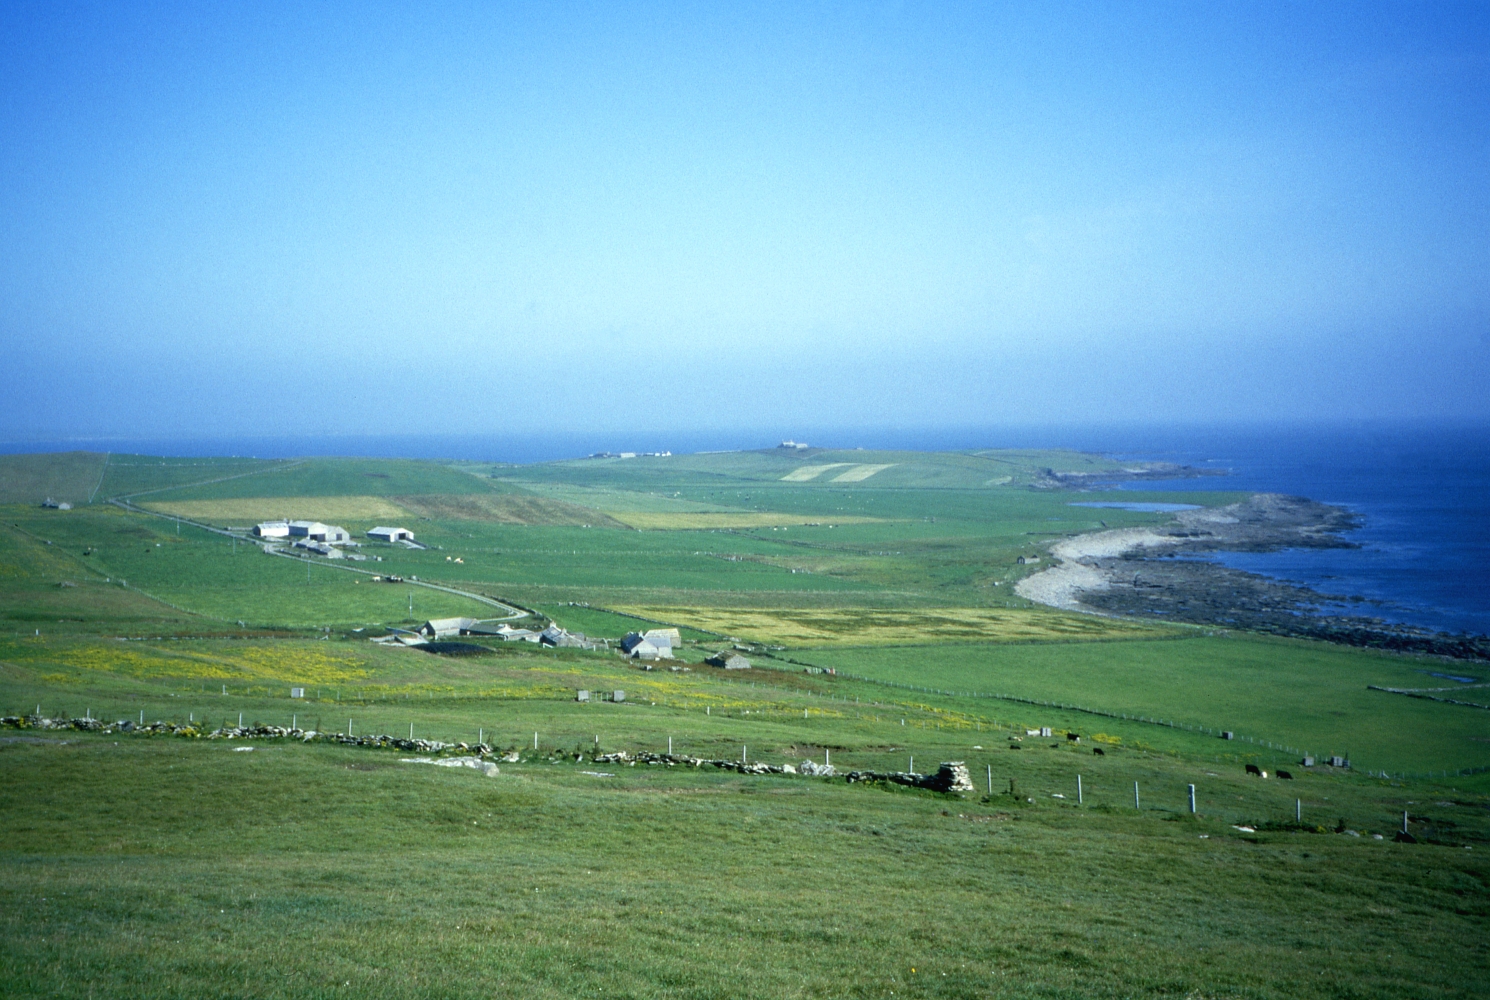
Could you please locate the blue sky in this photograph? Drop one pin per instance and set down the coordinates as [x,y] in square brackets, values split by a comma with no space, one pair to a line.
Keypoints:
[311,218]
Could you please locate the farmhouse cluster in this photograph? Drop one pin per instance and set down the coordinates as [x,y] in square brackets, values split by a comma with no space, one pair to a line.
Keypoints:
[437,630]
[328,539]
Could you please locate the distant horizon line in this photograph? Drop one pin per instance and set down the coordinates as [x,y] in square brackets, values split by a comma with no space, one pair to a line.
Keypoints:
[522,447]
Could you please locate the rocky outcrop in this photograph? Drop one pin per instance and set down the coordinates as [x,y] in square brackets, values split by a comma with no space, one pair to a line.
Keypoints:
[486,767]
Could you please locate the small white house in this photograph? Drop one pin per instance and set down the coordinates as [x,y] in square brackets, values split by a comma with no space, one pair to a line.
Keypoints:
[382,534]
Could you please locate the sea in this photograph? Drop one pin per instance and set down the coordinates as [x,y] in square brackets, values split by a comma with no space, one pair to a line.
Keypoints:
[1421,491]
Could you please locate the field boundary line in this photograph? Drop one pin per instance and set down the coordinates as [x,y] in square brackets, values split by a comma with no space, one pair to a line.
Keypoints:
[1427,697]
[107,456]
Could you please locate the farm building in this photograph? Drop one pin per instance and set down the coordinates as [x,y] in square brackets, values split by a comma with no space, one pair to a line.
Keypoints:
[728,661]
[329,533]
[558,637]
[319,548]
[382,534]
[647,647]
[1027,560]
[273,529]
[440,628]
[661,636]
[56,504]
[501,631]
[644,650]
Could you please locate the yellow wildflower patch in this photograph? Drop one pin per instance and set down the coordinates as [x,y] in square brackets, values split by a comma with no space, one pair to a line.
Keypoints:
[700,520]
[280,662]
[873,626]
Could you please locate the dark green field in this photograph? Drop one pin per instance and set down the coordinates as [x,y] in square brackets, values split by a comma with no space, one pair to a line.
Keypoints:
[165,866]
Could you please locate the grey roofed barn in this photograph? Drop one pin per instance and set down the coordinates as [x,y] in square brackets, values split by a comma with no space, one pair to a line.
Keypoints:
[659,637]
[639,647]
[728,661]
[439,628]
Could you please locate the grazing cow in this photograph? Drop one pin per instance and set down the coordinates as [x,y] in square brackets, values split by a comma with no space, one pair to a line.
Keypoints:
[1254,769]
[1073,737]
[1099,751]
[1285,775]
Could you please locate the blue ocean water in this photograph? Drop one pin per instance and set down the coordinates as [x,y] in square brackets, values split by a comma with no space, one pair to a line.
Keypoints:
[1422,492]
[1422,495]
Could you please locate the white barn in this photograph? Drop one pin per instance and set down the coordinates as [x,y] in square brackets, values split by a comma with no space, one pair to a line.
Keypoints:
[273,529]
[330,533]
[382,534]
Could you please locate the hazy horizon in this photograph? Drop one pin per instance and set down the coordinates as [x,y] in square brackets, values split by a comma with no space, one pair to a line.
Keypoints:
[535,220]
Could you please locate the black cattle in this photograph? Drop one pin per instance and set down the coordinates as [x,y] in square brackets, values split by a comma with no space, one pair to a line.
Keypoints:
[1073,737]
[1099,751]
[1254,769]
[1285,775]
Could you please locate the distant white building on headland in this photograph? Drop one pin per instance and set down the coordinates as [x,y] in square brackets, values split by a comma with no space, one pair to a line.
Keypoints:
[382,534]
[798,445]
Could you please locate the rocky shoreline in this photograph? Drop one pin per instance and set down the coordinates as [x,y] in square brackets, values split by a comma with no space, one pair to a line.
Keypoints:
[1160,573]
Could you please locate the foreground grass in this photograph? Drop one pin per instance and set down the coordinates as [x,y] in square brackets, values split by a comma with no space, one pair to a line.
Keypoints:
[168,867]
[1309,695]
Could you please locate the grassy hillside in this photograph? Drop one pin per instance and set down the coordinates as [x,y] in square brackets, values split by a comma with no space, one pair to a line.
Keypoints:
[164,866]
[557,877]
[69,477]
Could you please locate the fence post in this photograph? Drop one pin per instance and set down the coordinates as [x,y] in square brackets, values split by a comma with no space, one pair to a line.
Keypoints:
[1135,796]
[1192,800]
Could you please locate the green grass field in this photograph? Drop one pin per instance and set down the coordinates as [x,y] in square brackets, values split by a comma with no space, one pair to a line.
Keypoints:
[163,866]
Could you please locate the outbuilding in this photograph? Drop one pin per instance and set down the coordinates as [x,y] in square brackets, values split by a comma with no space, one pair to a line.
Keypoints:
[440,628]
[272,529]
[383,534]
[669,637]
[329,533]
[639,647]
[728,661]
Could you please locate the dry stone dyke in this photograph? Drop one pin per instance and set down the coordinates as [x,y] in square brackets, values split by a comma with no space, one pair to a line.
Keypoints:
[951,776]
